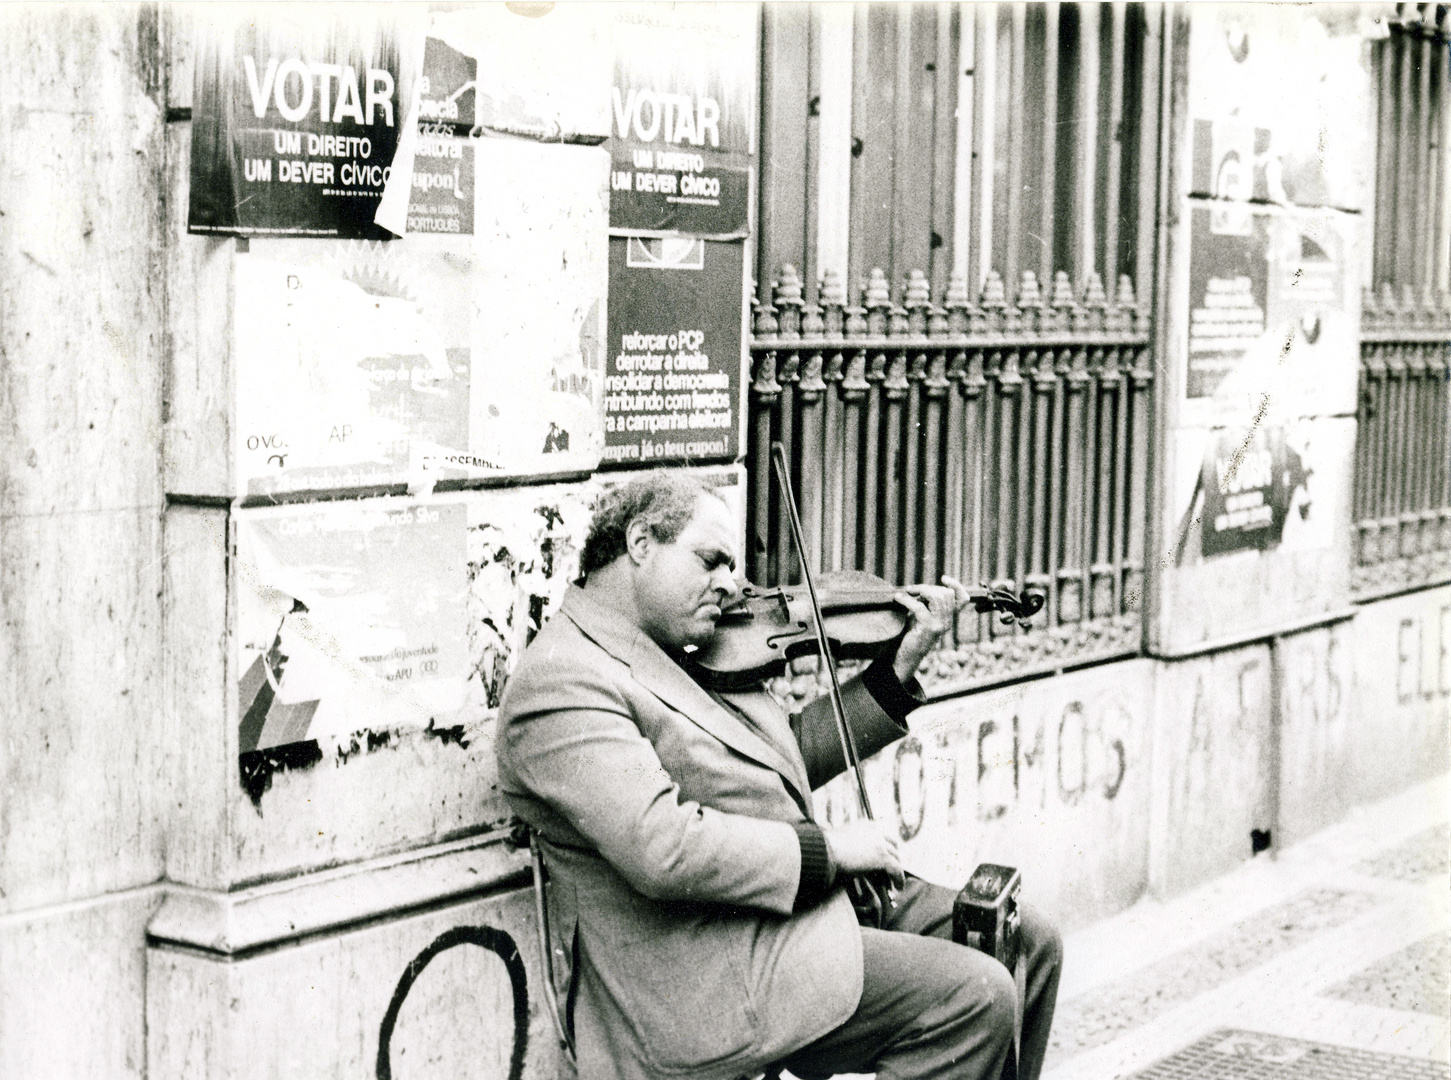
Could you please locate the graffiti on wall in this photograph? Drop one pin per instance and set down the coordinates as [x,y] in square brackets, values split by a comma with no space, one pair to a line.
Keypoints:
[984,770]
[1423,657]
[498,942]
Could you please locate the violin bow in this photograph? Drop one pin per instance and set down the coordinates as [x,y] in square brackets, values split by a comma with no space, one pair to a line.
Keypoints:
[848,744]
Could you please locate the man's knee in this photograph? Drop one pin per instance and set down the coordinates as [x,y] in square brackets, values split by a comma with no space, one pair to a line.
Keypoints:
[1042,942]
[987,995]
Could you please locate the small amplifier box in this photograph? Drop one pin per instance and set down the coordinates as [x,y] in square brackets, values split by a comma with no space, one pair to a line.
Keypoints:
[985,915]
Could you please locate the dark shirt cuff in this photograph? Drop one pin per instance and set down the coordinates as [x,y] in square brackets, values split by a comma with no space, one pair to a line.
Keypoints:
[818,873]
[896,698]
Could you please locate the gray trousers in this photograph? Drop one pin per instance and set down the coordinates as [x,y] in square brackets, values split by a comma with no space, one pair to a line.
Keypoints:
[932,1008]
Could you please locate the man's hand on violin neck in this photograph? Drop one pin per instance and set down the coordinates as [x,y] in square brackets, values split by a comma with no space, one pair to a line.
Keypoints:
[864,846]
[932,609]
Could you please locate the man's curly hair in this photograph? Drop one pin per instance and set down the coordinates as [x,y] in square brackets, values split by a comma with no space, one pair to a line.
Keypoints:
[666,500]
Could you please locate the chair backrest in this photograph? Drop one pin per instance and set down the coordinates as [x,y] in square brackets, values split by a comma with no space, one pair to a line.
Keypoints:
[546,945]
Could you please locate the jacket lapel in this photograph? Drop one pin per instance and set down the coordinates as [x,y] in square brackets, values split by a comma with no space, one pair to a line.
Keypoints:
[664,678]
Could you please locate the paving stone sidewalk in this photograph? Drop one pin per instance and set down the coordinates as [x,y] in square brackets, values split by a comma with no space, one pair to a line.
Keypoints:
[1330,960]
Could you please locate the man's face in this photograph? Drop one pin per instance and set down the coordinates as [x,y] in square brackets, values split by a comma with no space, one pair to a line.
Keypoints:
[680,587]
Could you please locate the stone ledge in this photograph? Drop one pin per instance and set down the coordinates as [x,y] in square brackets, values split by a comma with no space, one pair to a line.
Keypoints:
[277,913]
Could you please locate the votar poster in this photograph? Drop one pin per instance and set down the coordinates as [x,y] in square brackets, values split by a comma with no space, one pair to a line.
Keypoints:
[295,122]
[680,118]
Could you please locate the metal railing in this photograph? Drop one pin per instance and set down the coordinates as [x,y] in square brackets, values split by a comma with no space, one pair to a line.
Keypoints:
[1000,442]
[959,138]
[1412,211]
[1402,487]
[1403,444]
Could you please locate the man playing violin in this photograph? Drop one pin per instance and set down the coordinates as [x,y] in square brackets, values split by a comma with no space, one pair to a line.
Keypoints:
[703,906]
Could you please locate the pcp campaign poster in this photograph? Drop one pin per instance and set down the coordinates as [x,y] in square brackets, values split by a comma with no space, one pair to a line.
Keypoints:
[681,118]
[673,363]
[296,118]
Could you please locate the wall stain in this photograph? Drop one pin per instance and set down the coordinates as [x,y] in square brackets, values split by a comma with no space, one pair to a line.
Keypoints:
[446,735]
[258,766]
[372,740]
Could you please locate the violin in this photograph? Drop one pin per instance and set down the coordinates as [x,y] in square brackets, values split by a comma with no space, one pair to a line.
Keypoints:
[764,629]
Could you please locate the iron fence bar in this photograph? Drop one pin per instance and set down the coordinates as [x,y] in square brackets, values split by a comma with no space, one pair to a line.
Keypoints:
[1113,165]
[912,478]
[1086,170]
[976,409]
[1118,525]
[834,461]
[895,389]
[812,391]
[1012,220]
[854,389]
[1021,495]
[936,387]
[1047,183]
[871,505]
[1044,380]
[1143,375]
[1096,473]
[987,491]
[1005,371]
[954,508]
[1421,235]
[1070,593]
[785,435]
[1405,164]
[1148,152]
[765,394]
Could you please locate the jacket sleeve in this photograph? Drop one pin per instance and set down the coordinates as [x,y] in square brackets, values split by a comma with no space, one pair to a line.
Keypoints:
[570,741]
[877,705]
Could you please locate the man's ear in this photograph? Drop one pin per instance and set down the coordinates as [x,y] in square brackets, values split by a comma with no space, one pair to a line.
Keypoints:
[638,540]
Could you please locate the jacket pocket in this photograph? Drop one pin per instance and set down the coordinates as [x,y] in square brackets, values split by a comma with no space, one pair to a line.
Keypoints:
[684,991]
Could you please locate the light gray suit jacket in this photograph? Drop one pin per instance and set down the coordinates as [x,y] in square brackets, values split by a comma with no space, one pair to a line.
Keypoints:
[667,826]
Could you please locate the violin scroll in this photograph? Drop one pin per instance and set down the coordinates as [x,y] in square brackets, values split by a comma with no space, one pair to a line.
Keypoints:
[1017,608]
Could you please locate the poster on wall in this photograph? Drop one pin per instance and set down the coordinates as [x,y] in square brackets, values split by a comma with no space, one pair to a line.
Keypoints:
[441,198]
[542,253]
[1254,492]
[680,118]
[443,358]
[380,614]
[354,360]
[490,71]
[295,122]
[1279,103]
[673,372]
[1268,310]
[351,616]
[1228,274]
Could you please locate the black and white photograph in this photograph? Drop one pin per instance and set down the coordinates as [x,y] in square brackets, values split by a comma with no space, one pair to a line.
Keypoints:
[725,540]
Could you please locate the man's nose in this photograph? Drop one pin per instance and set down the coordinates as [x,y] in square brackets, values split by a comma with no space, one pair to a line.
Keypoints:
[725,581]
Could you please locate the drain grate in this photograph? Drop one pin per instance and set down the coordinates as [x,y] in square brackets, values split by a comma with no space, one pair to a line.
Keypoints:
[1249,1055]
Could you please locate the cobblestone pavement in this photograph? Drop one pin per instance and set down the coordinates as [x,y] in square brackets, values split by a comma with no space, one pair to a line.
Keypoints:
[1330,960]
